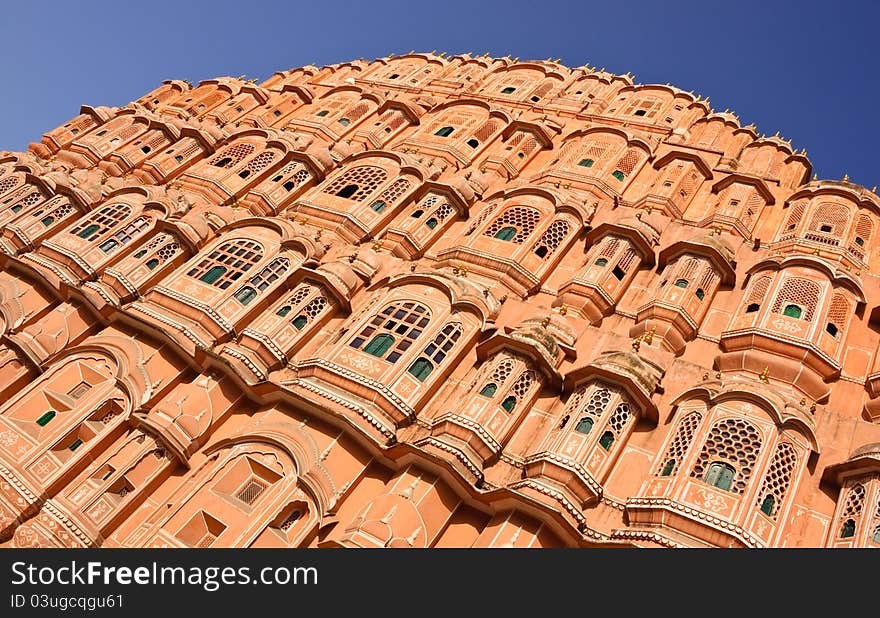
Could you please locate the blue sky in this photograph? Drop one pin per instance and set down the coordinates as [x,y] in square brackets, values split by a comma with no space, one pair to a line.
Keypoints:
[808,69]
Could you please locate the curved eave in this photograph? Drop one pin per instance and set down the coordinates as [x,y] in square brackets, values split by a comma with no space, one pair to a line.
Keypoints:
[727,269]
[633,234]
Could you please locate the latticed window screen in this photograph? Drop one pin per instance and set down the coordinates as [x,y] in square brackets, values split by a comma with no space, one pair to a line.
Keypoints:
[303,306]
[688,268]
[10,183]
[830,218]
[393,331]
[310,312]
[250,491]
[31,199]
[233,155]
[501,372]
[358,182]
[628,161]
[864,227]
[126,134]
[778,479]
[793,219]
[855,502]
[688,185]
[758,292]
[273,271]
[291,176]
[358,111]
[105,219]
[731,441]
[591,150]
[227,263]
[595,406]
[486,131]
[522,219]
[436,351]
[619,418]
[258,163]
[553,236]
[707,281]
[159,250]
[395,190]
[290,520]
[681,443]
[62,207]
[626,260]
[481,218]
[648,105]
[801,292]
[609,248]
[839,311]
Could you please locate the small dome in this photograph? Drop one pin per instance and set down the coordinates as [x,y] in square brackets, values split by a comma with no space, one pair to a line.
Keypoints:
[868,450]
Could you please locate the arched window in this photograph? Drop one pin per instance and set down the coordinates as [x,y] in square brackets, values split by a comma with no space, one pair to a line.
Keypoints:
[852,510]
[875,538]
[797,298]
[357,183]
[584,426]
[232,155]
[105,219]
[618,174]
[792,311]
[586,163]
[757,294]
[378,206]
[837,315]
[245,295]
[505,233]
[436,351]
[678,448]
[398,325]
[227,263]
[508,90]
[552,238]
[735,441]
[520,220]
[681,283]
[421,369]
[257,164]
[606,440]
[519,390]
[489,390]
[379,345]
[720,475]
[309,303]
[778,479]
[444,132]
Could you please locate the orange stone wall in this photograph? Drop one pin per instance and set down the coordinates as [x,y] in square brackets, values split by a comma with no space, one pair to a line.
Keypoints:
[434,301]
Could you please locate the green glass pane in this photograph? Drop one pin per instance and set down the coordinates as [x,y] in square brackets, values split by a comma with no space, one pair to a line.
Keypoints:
[792,311]
[584,426]
[45,418]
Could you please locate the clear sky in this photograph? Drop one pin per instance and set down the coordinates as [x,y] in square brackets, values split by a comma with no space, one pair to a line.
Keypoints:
[808,69]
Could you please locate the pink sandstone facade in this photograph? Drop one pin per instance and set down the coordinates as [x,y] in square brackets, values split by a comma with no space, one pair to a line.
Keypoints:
[434,301]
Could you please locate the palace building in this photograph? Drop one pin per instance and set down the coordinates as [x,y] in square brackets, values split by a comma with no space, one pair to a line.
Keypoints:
[434,301]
